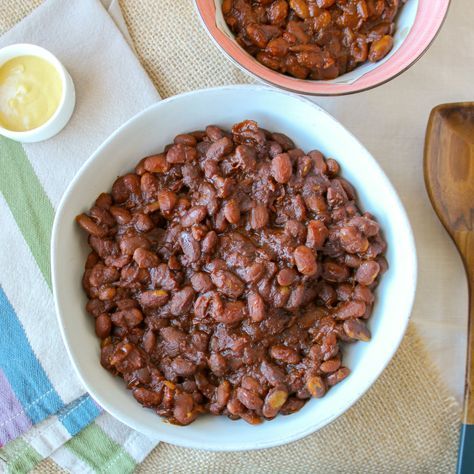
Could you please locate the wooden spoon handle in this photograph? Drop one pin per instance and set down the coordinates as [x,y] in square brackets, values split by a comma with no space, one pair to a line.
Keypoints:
[466,446]
[468,258]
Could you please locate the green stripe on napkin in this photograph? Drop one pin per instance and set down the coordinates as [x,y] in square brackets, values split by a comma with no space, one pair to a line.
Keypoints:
[99,451]
[27,201]
[22,457]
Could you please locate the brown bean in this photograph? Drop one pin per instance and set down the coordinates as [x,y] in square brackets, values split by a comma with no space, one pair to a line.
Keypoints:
[107,293]
[127,318]
[182,301]
[143,223]
[333,167]
[246,157]
[149,341]
[156,164]
[104,201]
[278,47]
[102,216]
[356,329]
[190,246]
[235,407]
[257,35]
[183,409]
[300,8]
[380,48]
[228,283]
[253,273]
[268,268]
[249,399]
[274,400]
[292,405]
[194,216]
[350,309]
[185,139]
[285,142]
[101,275]
[277,11]
[286,276]
[352,240]
[217,364]
[145,258]
[90,226]
[259,216]
[209,242]
[214,133]
[305,260]
[250,383]
[233,312]
[331,365]
[316,204]
[316,386]
[338,376]
[128,244]
[149,186]
[335,272]
[148,398]
[272,373]
[232,211]
[281,168]
[367,272]
[174,340]
[153,298]
[183,367]
[201,282]
[121,215]
[103,325]
[120,192]
[179,154]
[256,307]
[317,235]
[219,149]
[167,200]
[362,293]
[223,393]
[285,354]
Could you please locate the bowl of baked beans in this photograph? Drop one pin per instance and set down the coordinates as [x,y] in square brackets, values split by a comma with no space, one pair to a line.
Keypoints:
[232,270]
[323,47]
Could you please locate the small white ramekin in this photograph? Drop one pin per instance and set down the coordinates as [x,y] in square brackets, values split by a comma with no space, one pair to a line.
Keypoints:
[66,105]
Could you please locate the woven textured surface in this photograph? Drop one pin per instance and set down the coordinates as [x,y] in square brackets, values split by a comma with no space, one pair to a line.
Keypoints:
[407,422]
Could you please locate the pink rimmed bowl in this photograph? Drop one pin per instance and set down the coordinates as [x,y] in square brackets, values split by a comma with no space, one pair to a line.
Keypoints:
[417,28]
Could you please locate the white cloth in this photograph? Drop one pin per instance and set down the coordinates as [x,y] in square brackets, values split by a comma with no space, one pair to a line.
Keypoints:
[391,122]
[111,87]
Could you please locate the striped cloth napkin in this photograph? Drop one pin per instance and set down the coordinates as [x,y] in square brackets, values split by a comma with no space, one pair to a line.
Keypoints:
[44,410]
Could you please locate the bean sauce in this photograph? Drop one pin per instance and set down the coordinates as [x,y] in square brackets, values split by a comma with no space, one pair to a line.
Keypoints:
[226,273]
[315,39]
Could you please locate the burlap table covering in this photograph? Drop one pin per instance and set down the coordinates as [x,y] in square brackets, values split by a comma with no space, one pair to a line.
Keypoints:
[407,422]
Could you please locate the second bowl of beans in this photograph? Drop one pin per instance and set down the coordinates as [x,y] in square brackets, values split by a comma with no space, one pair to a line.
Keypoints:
[323,47]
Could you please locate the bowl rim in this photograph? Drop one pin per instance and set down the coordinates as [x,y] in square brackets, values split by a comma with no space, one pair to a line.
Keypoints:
[394,67]
[18,50]
[198,444]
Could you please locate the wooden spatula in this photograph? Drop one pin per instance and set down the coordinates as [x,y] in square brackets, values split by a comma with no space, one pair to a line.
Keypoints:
[449,179]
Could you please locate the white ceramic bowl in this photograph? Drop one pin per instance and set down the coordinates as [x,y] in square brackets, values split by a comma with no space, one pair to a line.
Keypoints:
[68,97]
[147,133]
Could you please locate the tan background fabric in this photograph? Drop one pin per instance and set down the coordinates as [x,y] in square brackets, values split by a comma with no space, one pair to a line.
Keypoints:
[407,422]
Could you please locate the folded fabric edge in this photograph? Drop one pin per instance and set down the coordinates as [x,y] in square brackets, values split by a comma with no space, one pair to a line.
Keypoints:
[116,448]
[104,444]
[53,432]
